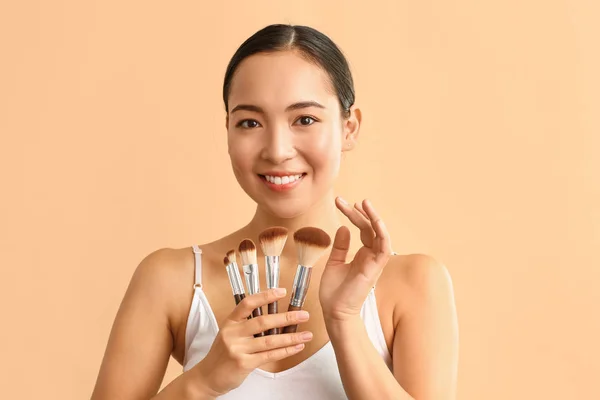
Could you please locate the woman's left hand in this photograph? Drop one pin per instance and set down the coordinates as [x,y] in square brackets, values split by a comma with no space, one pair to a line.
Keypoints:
[345,286]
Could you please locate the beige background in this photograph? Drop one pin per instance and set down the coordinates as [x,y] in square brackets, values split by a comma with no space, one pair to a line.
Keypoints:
[480,146]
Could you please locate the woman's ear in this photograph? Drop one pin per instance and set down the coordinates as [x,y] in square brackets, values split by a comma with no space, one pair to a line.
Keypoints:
[351,128]
[227,121]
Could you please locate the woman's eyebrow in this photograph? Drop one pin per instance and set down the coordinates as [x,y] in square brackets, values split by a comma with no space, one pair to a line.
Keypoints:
[247,107]
[292,107]
[304,104]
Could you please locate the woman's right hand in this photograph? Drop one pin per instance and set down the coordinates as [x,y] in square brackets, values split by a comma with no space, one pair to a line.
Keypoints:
[236,352]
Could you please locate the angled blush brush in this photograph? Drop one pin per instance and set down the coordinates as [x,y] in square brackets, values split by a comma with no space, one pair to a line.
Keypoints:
[272,241]
[311,243]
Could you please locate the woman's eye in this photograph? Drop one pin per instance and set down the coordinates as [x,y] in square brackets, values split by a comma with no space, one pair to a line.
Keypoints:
[306,120]
[248,123]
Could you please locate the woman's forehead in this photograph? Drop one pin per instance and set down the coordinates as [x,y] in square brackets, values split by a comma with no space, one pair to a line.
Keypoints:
[279,79]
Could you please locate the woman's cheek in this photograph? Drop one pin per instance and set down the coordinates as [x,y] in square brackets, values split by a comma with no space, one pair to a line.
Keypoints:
[325,151]
[239,154]
[239,163]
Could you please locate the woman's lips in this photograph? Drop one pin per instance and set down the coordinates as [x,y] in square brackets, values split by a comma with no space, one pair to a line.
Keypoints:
[283,186]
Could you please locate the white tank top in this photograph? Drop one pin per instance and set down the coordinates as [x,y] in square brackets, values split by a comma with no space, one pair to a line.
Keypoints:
[315,378]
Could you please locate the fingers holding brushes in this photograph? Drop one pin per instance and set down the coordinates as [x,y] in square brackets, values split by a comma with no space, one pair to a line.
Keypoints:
[310,243]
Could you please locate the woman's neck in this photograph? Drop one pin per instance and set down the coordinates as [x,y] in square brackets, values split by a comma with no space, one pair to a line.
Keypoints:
[323,215]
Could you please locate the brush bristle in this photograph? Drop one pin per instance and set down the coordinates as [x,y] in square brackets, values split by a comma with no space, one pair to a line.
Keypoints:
[272,240]
[226,261]
[311,243]
[231,256]
[248,252]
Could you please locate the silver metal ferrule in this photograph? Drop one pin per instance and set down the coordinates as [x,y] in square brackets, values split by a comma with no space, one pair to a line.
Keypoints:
[272,267]
[238,278]
[233,279]
[251,276]
[300,286]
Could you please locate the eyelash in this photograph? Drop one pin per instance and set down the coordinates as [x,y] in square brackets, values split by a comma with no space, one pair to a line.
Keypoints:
[308,116]
[242,122]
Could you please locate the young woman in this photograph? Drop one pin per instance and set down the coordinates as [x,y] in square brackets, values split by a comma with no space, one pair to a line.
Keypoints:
[376,325]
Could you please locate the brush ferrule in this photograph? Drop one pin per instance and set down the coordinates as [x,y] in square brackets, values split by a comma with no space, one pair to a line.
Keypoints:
[272,267]
[234,280]
[300,286]
[238,278]
[251,276]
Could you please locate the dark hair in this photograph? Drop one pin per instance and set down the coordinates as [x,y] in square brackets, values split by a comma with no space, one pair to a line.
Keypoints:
[312,44]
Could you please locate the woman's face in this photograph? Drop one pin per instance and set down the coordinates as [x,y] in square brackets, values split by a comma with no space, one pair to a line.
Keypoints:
[285,132]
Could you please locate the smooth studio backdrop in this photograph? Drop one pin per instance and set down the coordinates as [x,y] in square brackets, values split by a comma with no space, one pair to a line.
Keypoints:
[480,146]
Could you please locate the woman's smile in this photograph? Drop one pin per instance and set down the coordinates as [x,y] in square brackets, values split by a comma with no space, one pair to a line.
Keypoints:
[279,182]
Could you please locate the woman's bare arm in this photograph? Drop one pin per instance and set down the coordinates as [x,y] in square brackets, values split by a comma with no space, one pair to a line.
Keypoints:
[141,340]
[425,352]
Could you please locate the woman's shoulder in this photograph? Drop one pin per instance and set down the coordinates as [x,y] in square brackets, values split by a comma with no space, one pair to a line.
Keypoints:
[166,275]
[172,270]
[173,265]
[165,265]
[411,278]
[419,270]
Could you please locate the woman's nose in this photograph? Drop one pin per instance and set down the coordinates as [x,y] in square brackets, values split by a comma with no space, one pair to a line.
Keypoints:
[279,145]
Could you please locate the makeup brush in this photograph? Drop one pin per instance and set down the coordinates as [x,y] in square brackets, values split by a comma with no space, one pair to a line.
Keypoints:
[235,280]
[247,250]
[311,243]
[233,271]
[272,241]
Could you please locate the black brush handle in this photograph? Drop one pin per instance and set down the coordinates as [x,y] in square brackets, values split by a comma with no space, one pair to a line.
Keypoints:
[257,313]
[292,328]
[238,300]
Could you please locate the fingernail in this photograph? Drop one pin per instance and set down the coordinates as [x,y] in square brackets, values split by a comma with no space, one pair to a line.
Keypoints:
[306,336]
[344,202]
[302,315]
[280,291]
[299,346]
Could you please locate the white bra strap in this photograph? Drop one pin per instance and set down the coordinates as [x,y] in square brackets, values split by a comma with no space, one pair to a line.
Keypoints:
[198,266]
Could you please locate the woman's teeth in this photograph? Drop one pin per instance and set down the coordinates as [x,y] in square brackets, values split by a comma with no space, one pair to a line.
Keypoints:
[282,180]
